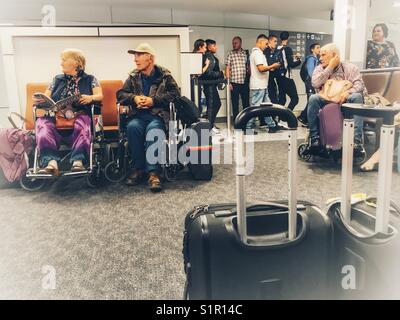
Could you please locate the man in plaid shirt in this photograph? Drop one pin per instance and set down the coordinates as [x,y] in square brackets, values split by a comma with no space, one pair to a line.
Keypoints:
[237,71]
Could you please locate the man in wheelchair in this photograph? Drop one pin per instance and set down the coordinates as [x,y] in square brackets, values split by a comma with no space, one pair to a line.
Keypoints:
[146,94]
[332,68]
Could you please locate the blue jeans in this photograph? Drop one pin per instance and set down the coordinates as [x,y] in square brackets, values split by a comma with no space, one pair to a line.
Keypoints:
[258,96]
[316,103]
[138,128]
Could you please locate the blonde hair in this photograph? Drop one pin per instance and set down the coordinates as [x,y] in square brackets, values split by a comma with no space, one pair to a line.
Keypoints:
[76,55]
[331,47]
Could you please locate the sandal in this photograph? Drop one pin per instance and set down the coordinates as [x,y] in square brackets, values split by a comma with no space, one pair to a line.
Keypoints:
[374,167]
[50,170]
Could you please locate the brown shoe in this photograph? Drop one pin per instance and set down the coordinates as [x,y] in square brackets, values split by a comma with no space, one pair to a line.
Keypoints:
[154,182]
[135,178]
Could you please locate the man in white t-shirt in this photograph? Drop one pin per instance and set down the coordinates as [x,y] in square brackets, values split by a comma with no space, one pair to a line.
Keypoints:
[259,80]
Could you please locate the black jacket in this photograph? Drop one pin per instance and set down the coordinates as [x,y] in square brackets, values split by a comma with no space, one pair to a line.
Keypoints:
[213,71]
[291,63]
[163,91]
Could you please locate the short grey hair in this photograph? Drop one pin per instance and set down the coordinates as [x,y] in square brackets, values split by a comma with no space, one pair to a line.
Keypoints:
[331,47]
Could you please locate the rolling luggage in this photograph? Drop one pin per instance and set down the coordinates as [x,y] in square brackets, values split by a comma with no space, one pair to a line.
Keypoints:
[200,150]
[272,250]
[331,125]
[366,239]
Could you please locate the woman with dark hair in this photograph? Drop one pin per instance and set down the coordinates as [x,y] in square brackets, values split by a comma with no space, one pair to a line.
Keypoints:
[380,52]
[200,46]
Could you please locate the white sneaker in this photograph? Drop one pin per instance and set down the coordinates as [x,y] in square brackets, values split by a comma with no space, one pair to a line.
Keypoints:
[215,131]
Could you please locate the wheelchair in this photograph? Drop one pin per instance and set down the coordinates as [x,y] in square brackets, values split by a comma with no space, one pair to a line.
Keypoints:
[306,153]
[176,137]
[105,128]
[330,124]
[34,181]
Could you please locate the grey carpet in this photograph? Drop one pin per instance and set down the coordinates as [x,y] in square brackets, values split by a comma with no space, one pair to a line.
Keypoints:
[125,243]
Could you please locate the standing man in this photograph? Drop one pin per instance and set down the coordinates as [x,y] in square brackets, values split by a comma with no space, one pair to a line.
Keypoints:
[310,63]
[273,55]
[259,80]
[147,92]
[213,73]
[237,70]
[285,82]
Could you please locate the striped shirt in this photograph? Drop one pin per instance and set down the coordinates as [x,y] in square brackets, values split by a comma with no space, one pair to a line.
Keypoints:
[345,71]
[237,62]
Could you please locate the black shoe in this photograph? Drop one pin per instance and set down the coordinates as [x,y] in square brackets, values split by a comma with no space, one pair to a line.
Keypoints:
[304,122]
[315,143]
[273,129]
[281,127]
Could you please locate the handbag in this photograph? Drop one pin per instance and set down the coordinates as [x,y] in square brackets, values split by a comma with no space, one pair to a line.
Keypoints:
[376,99]
[333,89]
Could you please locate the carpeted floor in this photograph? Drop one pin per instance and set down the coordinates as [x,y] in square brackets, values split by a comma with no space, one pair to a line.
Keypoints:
[125,243]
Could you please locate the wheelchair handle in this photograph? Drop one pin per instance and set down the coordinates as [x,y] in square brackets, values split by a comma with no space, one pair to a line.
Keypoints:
[265,111]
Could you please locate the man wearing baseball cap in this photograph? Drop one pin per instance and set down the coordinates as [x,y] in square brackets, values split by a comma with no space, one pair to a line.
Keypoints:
[147,93]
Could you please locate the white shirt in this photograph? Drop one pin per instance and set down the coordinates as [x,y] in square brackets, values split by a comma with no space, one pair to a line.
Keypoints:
[258,80]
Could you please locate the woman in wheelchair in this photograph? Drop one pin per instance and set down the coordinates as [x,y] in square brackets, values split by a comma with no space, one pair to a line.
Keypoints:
[73,81]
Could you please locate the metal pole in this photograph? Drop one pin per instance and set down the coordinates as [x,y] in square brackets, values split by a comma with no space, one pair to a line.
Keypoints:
[228,109]
[292,171]
[240,185]
[385,178]
[347,168]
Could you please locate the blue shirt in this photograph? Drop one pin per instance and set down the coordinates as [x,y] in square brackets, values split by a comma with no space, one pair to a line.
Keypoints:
[312,62]
[148,81]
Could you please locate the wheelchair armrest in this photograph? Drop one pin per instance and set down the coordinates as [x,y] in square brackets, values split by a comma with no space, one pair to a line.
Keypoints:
[123,110]
[96,108]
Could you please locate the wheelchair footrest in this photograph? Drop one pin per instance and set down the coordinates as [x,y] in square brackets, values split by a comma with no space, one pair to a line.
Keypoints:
[62,174]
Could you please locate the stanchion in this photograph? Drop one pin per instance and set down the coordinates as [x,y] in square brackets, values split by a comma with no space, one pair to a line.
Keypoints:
[228,112]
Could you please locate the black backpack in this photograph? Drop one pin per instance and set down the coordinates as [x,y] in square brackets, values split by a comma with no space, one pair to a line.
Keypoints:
[303,71]
[186,110]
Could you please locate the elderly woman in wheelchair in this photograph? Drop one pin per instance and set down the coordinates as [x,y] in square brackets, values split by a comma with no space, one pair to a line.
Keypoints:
[77,92]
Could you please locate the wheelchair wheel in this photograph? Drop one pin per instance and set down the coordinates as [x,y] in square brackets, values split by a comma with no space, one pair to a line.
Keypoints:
[170,173]
[360,156]
[304,152]
[32,184]
[114,173]
[94,179]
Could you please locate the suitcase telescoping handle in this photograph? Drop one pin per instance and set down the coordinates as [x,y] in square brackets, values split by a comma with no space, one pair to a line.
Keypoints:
[385,163]
[240,127]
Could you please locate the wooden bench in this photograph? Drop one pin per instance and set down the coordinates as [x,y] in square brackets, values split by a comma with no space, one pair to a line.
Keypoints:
[109,109]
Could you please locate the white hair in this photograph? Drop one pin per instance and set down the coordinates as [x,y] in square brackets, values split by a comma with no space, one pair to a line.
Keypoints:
[331,47]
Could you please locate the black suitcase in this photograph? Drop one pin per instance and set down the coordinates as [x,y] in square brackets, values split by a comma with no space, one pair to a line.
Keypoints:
[366,240]
[199,146]
[279,250]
